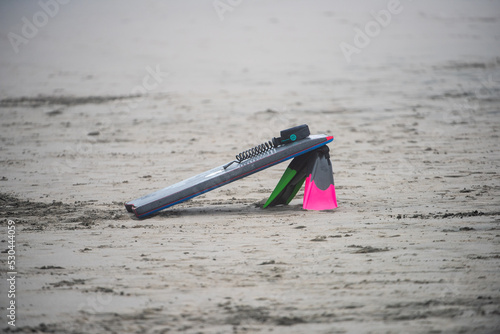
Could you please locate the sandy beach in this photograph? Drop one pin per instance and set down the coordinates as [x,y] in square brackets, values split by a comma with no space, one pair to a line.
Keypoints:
[102,102]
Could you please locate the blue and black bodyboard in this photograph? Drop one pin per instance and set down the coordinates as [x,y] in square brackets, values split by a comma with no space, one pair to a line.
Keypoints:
[222,175]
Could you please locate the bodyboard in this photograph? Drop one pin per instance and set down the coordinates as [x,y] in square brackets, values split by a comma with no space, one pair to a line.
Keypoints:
[219,176]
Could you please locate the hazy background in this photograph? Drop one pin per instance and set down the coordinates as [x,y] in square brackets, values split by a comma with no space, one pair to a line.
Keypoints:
[267,47]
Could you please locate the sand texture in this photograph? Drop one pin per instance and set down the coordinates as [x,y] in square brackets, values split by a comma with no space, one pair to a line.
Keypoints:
[113,100]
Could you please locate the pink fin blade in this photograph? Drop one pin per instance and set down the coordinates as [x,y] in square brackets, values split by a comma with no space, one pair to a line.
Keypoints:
[317,199]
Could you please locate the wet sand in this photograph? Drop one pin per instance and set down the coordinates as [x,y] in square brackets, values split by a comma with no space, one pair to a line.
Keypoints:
[413,246]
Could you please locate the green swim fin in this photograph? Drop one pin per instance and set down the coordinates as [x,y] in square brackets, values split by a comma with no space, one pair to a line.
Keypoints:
[290,183]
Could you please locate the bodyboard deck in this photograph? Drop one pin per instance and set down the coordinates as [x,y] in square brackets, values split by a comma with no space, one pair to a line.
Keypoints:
[219,176]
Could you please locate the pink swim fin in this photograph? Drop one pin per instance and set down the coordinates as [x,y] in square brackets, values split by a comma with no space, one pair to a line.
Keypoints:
[319,193]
